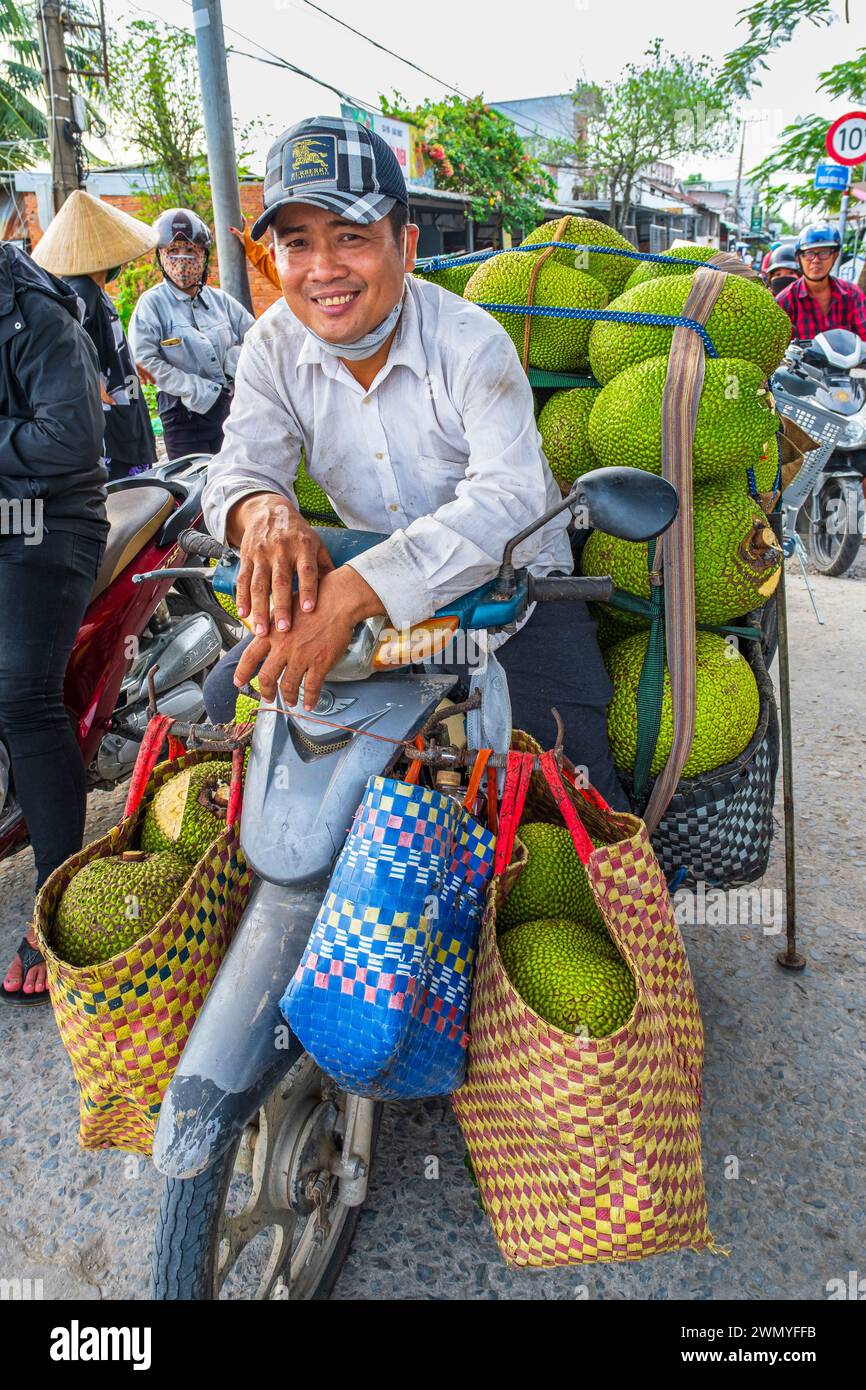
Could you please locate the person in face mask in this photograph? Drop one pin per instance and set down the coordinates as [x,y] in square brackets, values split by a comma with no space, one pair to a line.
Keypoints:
[414,415]
[188,336]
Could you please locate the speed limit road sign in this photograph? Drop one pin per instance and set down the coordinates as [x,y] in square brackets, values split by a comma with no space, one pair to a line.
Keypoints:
[846,138]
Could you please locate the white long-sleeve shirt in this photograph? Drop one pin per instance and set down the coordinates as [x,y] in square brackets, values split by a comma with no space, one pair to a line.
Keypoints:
[441,452]
[190,346]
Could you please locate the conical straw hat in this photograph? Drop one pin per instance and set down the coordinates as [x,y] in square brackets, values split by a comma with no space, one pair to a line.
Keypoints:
[88,234]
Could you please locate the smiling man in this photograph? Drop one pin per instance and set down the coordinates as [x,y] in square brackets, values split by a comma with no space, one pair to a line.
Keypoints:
[416,418]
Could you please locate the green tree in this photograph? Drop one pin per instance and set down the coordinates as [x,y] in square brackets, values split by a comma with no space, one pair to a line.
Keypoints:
[770,25]
[23,103]
[661,109]
[477,151]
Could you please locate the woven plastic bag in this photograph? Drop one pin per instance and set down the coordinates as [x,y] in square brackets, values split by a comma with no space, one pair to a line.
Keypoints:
[125,1021]
[587,1149]
[381,994]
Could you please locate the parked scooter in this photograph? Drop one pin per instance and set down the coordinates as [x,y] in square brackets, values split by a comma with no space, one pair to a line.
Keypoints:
[822,387]
[128,630]
[267,1160]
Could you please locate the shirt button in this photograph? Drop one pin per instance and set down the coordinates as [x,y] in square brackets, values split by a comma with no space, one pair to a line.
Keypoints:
[367,400]
[18,325]
[393,507]
[380,456]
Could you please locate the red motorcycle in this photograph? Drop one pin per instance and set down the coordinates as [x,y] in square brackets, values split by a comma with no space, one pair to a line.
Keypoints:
[129,628]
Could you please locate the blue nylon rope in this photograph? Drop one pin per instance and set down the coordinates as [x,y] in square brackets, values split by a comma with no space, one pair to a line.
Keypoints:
[610,316]
[753,483]
[472,257]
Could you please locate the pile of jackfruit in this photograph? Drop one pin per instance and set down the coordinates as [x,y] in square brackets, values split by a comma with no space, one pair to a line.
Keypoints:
[614,417]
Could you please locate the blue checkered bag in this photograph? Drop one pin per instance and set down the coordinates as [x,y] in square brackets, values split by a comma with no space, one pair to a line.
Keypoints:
[380,997]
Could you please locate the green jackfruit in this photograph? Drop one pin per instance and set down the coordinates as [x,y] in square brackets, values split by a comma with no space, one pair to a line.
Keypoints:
[737,560]
[745,322]
[552,882]
[573,977]
[766,472]
[111,903]
[311,498]
[726,697]
[555,344]
[564,426]
[736,417]
[450,277]
[651,270]
[611,271]
[189,811]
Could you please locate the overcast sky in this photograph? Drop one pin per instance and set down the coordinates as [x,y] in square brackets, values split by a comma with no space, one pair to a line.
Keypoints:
[502,48]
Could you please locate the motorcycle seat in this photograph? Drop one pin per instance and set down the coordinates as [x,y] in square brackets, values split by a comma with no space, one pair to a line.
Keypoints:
[134,517]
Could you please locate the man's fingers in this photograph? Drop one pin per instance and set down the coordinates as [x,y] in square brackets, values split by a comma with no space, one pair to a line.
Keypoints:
[308,579]
[313,678]
[282,576]
[250,660]
[242,588]
[272,671]
[260,595]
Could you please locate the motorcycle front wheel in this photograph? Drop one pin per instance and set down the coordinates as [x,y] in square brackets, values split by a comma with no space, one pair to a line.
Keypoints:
[836,525]
[266,1221]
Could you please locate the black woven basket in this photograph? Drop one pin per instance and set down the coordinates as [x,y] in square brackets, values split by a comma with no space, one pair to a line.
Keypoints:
[719,826]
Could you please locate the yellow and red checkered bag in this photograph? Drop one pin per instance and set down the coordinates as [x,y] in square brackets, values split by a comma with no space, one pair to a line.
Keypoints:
[125,1021]
[587,1149]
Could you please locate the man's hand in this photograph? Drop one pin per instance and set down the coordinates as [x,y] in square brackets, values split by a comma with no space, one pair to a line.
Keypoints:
[106,399]
[316,642]
[276,543]
[145,377]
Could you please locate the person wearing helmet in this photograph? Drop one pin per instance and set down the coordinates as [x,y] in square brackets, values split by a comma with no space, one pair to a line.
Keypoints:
[783,269]
[188,336]
[413,413]
[818,300]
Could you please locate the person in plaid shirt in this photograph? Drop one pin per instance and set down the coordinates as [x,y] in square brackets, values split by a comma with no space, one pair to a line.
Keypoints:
[818,300]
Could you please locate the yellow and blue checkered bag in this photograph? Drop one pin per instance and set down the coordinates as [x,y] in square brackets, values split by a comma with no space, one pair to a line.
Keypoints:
[380,998]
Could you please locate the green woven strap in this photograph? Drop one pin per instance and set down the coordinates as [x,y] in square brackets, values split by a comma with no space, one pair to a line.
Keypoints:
[651,686]
[558,381]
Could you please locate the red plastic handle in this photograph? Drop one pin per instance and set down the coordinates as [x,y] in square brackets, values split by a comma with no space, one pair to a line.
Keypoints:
[518,775]
[582,843]
[148,756]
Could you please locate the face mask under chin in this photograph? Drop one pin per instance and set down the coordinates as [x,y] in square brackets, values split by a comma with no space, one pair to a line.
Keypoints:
[370,343]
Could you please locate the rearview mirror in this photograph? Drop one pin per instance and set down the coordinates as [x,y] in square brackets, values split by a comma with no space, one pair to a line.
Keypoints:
[624,502]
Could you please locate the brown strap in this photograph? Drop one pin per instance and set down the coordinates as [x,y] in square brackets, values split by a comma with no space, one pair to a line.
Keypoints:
[538,262]
[680,400]
[732,265]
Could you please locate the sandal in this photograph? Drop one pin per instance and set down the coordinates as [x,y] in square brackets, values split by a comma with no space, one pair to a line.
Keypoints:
[29,956]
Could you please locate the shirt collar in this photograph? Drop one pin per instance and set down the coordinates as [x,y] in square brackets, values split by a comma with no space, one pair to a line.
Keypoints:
[407,349]
[185,298]
[838,288]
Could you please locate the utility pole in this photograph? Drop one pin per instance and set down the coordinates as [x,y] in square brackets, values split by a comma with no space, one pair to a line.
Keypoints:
[55,74]
[222,164]
[739,178]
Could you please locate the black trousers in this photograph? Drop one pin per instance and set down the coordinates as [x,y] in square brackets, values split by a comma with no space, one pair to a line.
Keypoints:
[553,660]
[44,590]
[186,432]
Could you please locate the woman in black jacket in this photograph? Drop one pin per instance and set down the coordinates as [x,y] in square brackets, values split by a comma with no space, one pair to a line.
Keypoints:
[52,536]
[87,243]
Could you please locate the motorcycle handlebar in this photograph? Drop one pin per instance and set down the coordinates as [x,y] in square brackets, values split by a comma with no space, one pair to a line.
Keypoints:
[591,589]
[194,543]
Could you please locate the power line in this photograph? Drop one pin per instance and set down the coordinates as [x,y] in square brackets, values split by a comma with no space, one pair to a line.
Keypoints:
[409,64]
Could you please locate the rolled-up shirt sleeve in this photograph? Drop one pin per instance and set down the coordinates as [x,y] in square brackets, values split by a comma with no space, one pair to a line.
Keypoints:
[261,445]
[146,331]
[439,557]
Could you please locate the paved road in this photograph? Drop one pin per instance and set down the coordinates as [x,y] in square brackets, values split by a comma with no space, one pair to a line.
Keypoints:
[783,1117]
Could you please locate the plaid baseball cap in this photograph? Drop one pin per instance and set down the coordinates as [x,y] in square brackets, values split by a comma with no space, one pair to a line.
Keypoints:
[335,164]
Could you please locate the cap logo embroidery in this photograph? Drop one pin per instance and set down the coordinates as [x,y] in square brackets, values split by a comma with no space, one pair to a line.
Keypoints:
[310,158]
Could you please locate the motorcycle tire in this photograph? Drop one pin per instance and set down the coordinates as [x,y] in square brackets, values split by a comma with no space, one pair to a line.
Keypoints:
[187,1234]
[830,555]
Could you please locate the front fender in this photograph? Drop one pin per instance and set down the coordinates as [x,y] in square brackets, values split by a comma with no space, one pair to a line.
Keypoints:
[240,1045]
